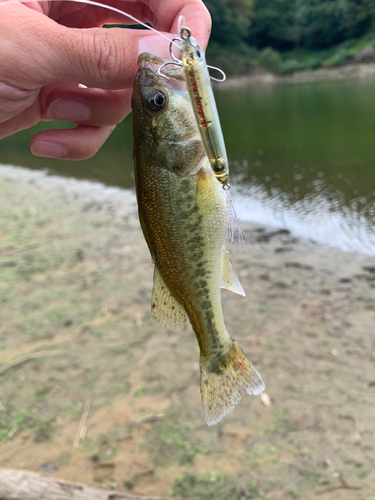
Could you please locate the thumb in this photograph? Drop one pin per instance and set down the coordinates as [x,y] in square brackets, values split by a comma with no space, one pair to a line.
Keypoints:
[51,53]
[104,58]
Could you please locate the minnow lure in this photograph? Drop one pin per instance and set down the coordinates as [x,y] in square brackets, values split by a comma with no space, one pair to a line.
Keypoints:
[198,81]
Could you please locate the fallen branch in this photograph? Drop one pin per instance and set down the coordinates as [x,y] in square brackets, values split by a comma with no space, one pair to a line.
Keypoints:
[342,486]
[150,417]
[25,359]
[81,432]
[24,485]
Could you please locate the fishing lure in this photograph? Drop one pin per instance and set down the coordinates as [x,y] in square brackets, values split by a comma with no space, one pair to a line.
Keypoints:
[202,98]
[204,106]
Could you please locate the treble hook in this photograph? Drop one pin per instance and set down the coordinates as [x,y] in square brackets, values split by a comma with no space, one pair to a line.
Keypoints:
[223,75]
[177,39]
[166,64]
[178,62]
[175,61]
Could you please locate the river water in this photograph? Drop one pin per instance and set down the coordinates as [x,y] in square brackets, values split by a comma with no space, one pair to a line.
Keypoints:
[302,157]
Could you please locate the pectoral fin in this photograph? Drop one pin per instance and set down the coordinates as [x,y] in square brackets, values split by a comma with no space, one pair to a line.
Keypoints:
[228,278]
[165,307]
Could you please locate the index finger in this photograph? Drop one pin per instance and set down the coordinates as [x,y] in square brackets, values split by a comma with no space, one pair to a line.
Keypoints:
[197,17]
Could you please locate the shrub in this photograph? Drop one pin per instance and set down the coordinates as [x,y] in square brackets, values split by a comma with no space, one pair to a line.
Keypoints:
[270,59]
[338,58]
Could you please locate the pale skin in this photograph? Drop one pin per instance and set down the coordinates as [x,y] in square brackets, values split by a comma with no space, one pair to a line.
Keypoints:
[50,52]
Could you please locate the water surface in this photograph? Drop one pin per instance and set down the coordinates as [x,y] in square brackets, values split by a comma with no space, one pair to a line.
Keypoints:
[302,157]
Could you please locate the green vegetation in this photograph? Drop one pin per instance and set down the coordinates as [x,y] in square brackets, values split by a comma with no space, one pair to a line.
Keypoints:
[290,35]
[14,422]
[363,471]
[206,485]
[106,445]
[271,60]
[174,441]
[214,485]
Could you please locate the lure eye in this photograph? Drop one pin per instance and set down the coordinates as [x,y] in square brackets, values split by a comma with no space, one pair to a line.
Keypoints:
[156,101]
[198,53]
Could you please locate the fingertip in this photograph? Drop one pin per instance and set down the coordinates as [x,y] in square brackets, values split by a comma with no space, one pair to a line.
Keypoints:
[96,107]
[47,149]
[155,44]
[80,143]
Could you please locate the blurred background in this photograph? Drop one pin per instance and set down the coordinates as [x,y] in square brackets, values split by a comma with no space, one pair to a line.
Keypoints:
[76,281]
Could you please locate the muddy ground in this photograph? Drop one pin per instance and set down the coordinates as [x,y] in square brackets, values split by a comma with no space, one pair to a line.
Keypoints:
[76,330]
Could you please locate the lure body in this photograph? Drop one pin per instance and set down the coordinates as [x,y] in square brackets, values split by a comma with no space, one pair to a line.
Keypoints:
[202,97]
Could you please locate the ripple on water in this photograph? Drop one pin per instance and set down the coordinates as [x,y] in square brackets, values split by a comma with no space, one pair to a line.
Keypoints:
[315,216]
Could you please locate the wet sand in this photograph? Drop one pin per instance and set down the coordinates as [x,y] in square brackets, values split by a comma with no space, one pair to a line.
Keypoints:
[75,289]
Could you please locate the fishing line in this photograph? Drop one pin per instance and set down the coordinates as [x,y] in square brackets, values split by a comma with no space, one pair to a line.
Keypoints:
[95,4]
[180,22]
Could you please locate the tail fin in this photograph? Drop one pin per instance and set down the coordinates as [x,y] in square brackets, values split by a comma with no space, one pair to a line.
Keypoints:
[222,379]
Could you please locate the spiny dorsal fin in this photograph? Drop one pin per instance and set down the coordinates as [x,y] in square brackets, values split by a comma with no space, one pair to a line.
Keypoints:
[228,279]
[165,307]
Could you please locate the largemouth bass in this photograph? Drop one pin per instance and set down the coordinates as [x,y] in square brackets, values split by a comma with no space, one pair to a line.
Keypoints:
[183,212]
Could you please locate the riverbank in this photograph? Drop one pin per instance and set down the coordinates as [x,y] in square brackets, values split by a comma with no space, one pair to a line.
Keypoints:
[75,291]
[260,76]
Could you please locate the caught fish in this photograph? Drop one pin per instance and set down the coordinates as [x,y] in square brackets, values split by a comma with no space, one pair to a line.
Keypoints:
[198,82]
[183,212]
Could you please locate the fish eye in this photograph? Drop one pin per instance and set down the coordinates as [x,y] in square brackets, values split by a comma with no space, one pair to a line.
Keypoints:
[198,53]
[156,100]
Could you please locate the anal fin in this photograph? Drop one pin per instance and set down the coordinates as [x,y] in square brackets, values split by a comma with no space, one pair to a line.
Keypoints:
[165,308]
[228,278]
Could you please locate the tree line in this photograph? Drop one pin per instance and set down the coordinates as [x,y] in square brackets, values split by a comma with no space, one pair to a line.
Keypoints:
[286,25]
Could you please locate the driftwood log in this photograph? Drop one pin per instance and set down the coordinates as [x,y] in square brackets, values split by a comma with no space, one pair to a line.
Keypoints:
[24,485]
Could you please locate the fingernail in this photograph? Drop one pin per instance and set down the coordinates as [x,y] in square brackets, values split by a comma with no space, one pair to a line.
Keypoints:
[49,149]
[155,44]
[68,111]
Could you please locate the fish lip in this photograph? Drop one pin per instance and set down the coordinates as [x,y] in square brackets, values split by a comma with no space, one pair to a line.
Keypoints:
[150,61]
[149,64]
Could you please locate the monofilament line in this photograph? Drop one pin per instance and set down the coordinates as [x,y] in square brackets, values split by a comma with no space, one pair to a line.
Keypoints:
[96,4]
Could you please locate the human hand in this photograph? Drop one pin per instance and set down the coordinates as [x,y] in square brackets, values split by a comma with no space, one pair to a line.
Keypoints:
[46,63]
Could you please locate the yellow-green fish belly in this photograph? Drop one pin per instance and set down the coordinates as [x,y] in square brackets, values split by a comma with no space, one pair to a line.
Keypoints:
[184,220]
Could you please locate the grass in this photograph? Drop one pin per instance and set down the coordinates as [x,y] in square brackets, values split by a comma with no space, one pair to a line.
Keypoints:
[214,485]
[14,422]
[206,485]
[174,440]
[107,444]
[363,471]
[293,493]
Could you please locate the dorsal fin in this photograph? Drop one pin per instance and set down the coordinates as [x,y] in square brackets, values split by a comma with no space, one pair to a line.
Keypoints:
[165,307]
[228,278]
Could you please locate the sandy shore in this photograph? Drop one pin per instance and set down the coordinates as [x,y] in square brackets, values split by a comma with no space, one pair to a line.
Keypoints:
[75,287]
[260,76]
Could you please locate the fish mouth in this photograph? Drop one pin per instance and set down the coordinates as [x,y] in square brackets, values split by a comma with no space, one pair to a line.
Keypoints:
[151,63]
